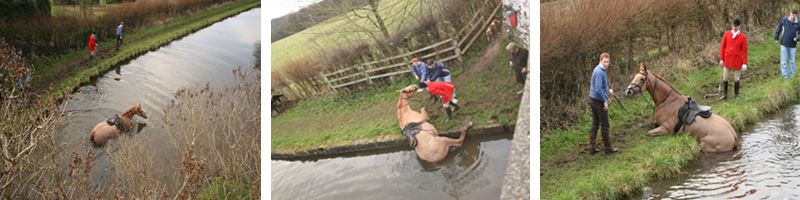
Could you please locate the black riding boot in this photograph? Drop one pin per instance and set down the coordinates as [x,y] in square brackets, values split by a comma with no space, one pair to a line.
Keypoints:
[449,113]
[736,89]
[455,106]
[724,94]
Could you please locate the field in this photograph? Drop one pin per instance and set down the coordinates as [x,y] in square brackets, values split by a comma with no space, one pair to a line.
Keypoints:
[338,32]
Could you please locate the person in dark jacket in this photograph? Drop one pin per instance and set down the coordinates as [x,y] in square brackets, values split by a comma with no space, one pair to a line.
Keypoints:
[518,62]
[787,35]
[438,71]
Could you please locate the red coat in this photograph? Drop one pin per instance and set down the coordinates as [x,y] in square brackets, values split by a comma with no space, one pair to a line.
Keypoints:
[444,89]
[92,43]
[733,51]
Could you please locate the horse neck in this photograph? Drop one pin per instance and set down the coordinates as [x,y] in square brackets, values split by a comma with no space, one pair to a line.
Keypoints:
[128,114]
[660,89]
[402,106]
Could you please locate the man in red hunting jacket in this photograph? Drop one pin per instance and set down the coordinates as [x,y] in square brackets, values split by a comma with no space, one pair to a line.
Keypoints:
[733,57]
[443,89]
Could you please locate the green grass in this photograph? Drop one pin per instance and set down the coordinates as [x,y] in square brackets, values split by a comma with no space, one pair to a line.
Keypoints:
[336,33]
[568,173]
[220,188]
[137,43]
[75,10]
[486,97]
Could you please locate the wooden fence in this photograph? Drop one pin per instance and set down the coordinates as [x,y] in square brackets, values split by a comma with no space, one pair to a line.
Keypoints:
[385,70]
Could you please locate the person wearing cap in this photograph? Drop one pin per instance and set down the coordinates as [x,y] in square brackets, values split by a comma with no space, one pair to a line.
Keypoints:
[733,57]
[445,90]
[518,62]
[787,33]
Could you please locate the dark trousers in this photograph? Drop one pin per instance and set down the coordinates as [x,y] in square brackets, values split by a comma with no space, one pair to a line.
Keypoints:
[599,120]
[519,75]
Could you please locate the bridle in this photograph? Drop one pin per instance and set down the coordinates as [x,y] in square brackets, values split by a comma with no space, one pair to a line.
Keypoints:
[405,97]
[640,86]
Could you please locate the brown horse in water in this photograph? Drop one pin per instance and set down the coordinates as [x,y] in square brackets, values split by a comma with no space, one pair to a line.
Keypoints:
[103,131]
[715,133]
[429,145]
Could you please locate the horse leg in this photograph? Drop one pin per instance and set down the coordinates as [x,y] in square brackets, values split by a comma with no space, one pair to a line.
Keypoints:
[460,141]
[424,114]
[657,131]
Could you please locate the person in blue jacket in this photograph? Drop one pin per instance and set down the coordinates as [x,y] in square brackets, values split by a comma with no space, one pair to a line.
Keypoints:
[786,33]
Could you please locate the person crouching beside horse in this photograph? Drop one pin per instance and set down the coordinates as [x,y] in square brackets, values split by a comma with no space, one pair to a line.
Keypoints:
[445,90]
[439,72]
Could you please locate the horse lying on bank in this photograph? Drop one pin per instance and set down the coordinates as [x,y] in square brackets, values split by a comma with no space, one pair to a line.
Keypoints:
[422,136]
[104,131]
[675,113]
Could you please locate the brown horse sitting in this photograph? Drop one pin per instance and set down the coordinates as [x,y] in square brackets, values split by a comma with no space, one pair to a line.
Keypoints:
[715,133]
[104,131]
[424,138]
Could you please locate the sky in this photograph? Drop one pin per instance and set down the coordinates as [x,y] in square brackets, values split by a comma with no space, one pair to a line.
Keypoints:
[283,7]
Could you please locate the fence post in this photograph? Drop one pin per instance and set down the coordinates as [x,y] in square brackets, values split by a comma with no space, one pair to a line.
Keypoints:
[366,74]
[457,49]
[321,73]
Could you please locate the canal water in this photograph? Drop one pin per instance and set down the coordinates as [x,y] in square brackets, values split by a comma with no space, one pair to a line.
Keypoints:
[474,171]
[767,166]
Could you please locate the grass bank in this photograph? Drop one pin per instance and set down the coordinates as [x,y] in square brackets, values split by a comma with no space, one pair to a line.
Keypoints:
[52,70]
[570,173]
[485,90]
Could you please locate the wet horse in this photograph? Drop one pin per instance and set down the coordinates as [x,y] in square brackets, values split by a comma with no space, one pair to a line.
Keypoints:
[714,133]
[103,131]
[423,137]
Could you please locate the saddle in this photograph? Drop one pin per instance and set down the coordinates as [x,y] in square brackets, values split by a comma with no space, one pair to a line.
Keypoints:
[116,121]
[688,112]
[410,131]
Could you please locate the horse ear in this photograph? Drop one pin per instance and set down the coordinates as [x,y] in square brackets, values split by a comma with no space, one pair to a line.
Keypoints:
[642,68]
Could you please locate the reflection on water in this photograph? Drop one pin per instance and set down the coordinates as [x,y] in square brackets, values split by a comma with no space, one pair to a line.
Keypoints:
[206,56]
[474,171]
[766,167]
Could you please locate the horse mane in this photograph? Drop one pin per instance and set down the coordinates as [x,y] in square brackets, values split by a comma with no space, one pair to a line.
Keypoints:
[130,111]
[664,80]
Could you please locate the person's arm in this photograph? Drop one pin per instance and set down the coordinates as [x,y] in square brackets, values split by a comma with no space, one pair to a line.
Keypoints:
[797,35]
[415,72]
[744,50]
[722,48]
[436,72]
[778,30]
[604,87]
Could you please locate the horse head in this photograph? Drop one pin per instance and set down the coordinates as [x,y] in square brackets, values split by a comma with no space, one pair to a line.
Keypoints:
[638,84]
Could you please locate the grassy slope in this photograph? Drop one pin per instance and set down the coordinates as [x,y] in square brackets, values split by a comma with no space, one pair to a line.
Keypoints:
[330,36]
[137,43]
[344,118]
[568,173]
